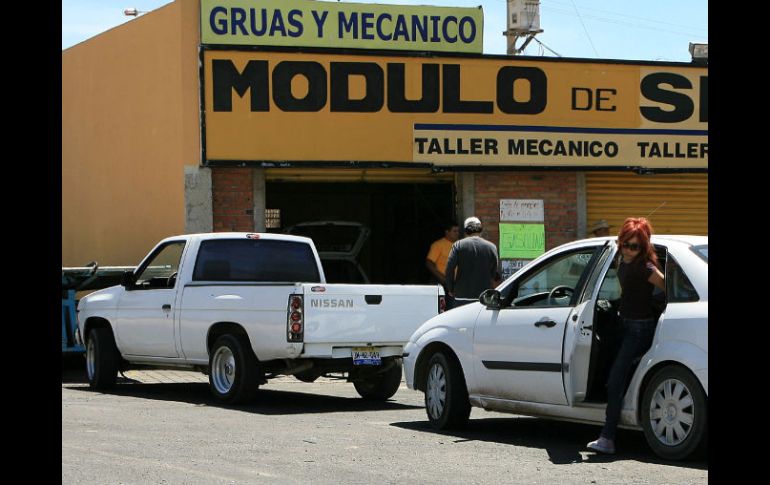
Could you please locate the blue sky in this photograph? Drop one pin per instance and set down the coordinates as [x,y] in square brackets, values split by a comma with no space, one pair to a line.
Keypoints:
[595,29]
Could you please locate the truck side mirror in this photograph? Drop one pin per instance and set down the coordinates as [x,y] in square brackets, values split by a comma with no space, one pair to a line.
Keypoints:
[128,281]
[491,299]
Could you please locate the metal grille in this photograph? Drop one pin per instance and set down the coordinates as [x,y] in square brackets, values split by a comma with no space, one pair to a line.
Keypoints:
[616,196]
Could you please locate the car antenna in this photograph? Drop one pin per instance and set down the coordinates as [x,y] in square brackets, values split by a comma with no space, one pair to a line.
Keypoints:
[656,209]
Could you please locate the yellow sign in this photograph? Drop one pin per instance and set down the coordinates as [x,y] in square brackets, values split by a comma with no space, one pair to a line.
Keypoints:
[307,23]
[522,241]
[272,108]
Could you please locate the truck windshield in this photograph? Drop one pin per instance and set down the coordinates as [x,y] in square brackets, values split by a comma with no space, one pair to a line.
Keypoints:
[256,260]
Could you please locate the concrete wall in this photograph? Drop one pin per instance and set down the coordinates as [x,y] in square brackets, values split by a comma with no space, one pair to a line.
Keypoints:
[130,124]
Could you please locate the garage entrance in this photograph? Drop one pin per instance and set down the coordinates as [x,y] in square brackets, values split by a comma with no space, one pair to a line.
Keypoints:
[404,219]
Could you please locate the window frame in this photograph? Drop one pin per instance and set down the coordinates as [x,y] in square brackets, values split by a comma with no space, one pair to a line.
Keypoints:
[151,257]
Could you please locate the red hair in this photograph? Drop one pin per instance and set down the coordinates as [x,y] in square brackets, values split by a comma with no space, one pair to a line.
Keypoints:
[642,229]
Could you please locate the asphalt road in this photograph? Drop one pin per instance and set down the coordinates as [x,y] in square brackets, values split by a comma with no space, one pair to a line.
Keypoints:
[165,427]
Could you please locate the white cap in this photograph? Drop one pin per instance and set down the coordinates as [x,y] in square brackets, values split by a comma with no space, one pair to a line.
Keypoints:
[472,224]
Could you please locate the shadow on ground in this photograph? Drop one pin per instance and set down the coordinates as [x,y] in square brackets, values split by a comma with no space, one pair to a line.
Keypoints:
[268,402]
[563,441]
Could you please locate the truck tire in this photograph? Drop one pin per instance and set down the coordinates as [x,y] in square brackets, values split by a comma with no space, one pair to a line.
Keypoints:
[233,370]
[102,359]
[446,395]
[380,387]
[674,414]
[307,376]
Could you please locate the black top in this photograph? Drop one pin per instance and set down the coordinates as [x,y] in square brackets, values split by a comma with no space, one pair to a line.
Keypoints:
[476,262]
[636,291]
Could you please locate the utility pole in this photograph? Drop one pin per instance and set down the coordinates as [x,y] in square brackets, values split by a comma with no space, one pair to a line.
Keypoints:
[523,22]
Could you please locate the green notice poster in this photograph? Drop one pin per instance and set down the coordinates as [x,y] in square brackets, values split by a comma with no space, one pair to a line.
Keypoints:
[523,241]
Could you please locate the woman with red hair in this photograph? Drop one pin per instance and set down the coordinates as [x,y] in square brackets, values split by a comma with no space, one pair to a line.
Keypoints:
[638,274]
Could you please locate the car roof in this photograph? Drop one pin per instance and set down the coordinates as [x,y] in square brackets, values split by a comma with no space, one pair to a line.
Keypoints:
[690,240]
[238,235]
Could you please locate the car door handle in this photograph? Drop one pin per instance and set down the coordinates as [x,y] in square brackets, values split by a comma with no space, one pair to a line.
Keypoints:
[545,323]
[166,307]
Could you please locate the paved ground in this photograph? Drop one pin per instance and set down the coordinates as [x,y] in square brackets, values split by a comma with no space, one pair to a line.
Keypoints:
[164,427]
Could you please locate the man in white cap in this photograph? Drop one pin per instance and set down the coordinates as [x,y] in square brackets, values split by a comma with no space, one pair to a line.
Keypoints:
[601,228]
[472,264]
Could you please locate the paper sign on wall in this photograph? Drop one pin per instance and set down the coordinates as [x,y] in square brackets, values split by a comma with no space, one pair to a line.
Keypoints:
[522,241]
[510,266]
[522,210]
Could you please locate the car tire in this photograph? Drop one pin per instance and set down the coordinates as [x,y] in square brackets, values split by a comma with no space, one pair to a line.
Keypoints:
[380,387]
[674,414]
[446,395]
[233,370]
[102,358]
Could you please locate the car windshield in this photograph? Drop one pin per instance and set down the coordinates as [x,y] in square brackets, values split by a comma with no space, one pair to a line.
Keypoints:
[702,251]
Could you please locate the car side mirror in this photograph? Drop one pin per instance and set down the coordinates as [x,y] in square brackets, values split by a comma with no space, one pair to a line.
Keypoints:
[128,280]
[491,299]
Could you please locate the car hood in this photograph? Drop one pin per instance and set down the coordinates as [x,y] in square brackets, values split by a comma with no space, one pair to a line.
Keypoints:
[334,239]
[106,298]
[463,316]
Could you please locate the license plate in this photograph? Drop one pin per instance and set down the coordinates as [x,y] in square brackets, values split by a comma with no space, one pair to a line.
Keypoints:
[366,356]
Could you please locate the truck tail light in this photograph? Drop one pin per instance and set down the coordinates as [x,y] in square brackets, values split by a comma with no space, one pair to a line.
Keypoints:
[441,304]
[295,321]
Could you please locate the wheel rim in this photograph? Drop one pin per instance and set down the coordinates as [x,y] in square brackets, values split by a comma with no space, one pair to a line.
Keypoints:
[672,412]
[223,370]
[436,391]
[90,358]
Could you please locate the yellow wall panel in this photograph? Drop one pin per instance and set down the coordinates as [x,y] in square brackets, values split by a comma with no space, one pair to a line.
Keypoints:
[681,200]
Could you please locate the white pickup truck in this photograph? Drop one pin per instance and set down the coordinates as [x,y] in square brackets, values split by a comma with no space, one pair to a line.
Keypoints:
[246,307]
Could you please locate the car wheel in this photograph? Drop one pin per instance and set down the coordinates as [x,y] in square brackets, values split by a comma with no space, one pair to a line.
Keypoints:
[446,397]
[380,387]
[101,359]
[233,370]
[674,414]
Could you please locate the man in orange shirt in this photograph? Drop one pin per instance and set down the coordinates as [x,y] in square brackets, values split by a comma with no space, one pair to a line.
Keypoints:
[437,257]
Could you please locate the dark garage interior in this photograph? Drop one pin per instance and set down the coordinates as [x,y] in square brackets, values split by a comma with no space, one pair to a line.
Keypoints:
[404,220]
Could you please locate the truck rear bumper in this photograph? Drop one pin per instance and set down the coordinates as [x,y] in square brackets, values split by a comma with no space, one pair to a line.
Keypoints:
[341,351]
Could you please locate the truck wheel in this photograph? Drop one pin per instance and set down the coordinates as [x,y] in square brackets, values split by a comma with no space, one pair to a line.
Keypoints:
[446,397]
[101,359]
[233,370]
[307,376]
[380,387]
[674,414]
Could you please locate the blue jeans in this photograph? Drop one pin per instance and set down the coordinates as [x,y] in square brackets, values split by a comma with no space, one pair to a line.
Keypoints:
[636,341]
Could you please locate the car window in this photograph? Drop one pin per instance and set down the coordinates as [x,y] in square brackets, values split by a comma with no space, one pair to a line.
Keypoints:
[702,251]
[610,289]
[564,270]
[678,286]
[256,260]
[607,252]
[158,271]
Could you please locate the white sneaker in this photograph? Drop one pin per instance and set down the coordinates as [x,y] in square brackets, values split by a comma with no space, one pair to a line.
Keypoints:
[602,445]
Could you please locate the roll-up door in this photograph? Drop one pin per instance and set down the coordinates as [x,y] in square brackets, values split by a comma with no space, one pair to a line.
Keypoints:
[370,175]
[674,203]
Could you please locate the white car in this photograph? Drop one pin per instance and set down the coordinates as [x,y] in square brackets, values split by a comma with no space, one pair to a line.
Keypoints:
[541,344]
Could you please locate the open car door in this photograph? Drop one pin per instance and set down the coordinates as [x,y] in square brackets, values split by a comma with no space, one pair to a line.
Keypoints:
[593,339]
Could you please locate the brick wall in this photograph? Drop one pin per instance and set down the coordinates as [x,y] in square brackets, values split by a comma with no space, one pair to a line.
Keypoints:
[557,189]
[233,205]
